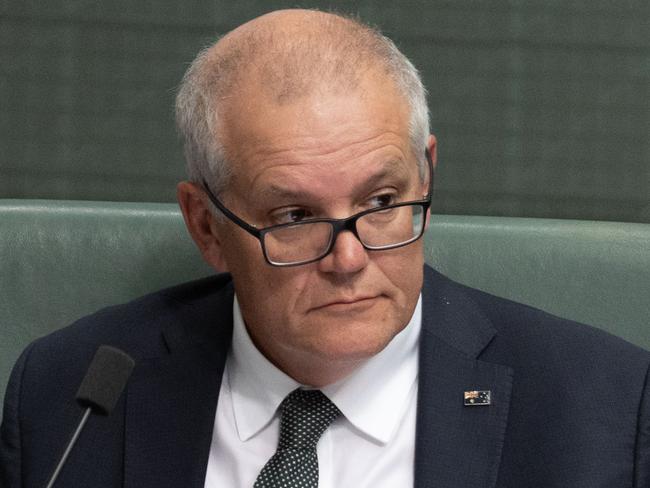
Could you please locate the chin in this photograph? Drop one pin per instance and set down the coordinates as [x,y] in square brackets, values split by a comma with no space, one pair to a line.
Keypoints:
[345,347]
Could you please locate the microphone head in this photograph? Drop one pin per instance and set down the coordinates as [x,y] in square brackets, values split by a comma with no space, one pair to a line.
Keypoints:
[105,379]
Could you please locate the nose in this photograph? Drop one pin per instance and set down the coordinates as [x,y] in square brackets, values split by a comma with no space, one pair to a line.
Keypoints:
[348,255]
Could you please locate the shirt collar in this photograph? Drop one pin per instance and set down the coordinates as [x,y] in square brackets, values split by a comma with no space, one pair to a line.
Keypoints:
[386,382]
[257,386]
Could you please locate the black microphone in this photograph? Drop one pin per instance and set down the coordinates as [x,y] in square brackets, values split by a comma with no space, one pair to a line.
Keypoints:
[99,391]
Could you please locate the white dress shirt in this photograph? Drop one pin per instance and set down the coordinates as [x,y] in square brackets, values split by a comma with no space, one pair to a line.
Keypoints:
[372,444]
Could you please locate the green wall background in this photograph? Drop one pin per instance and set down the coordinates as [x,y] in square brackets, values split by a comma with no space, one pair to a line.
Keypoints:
[541,107]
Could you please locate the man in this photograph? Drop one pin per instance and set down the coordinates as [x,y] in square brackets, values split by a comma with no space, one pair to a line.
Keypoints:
[328,355]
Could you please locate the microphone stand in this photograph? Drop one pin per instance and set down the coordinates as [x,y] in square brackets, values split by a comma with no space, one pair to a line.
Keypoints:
[71,444]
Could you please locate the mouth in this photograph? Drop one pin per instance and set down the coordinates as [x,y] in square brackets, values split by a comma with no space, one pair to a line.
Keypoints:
[347,304]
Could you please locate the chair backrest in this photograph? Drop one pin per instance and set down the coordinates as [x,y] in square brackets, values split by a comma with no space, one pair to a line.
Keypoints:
[60,260]
[593,272]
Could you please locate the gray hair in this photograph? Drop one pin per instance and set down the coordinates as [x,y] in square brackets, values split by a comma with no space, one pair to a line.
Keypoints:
[212,77]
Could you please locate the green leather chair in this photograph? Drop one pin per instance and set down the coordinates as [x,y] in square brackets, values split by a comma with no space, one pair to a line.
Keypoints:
[60,260]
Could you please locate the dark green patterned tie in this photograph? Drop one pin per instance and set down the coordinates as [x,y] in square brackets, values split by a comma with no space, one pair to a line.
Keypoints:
[305,416]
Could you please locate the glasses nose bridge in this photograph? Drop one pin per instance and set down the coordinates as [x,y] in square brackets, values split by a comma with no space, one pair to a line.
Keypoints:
[349,224]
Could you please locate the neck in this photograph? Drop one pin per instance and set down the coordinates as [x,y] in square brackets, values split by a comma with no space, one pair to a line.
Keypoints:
[318,374]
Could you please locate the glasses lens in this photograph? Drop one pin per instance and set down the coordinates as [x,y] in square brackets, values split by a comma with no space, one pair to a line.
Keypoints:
[391,227]
[297,243]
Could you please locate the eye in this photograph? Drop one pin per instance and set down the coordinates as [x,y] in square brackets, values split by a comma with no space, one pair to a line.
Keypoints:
[382,200]
[289,215]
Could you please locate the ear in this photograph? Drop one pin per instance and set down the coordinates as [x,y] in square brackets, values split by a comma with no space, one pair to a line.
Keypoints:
[200,223]
[432,146]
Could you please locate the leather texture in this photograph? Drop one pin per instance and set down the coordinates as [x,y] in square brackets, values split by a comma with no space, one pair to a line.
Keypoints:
[61,260]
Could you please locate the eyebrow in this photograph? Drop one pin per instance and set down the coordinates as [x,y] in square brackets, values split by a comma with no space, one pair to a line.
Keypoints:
[393,169]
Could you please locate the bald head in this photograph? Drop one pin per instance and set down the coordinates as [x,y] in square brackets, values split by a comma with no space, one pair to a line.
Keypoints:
[284,56]
[291,53]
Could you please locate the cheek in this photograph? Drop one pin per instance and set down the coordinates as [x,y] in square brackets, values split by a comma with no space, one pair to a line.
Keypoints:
[243,256]
[271,302]
[404,268]
[403,273]
[267,294]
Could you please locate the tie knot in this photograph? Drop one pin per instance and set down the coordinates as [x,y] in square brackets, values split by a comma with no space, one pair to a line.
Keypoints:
[306,414]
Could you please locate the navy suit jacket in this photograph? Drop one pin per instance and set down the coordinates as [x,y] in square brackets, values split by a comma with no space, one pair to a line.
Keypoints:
[570,404]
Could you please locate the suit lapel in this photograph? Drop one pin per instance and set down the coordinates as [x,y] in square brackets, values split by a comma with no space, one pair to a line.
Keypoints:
[457,445]
[172,399]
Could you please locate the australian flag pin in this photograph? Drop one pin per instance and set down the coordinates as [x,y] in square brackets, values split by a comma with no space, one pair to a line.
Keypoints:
[477,397]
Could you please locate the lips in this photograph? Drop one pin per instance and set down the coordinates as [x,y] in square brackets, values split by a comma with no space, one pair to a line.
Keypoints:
[347,302]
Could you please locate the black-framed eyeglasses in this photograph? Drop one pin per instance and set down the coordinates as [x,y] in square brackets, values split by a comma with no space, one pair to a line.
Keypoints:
[307,241]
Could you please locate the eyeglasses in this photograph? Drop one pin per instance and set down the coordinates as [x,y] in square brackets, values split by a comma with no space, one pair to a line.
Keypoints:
[307,241]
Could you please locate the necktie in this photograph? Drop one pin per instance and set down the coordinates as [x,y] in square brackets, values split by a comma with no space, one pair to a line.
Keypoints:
[305,416]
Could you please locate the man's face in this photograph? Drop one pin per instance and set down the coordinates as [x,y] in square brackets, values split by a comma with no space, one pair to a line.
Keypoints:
[325,155]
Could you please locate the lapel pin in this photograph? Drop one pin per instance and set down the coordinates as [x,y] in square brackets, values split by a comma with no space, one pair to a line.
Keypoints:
[477,397]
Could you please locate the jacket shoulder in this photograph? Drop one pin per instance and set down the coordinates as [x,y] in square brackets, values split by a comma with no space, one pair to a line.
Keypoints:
[522,336]
[535,334]
[136,326]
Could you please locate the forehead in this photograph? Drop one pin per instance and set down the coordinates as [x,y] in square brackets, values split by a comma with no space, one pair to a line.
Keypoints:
[326,132]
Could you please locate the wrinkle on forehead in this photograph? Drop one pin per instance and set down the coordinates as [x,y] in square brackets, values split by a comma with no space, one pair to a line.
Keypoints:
[330,190]
[330,146]
[321,129]
[332,157]
[392,170]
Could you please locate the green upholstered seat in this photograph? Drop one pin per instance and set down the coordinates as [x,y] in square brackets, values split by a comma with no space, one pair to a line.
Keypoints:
[60,260]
